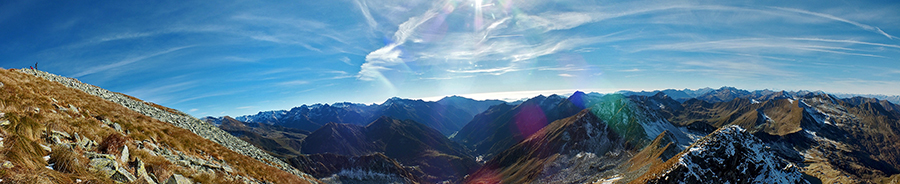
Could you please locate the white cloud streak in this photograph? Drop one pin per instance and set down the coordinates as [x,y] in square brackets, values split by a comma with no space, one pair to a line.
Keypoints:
[832,17]
[364,9]
[127,61]
[503,45]
[763,45]
[293,83]
[390,55]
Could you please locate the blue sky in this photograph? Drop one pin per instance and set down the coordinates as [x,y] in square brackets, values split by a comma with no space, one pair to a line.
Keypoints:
[241,57]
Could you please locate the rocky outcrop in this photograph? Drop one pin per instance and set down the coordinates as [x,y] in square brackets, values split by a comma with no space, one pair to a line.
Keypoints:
[173,117]
[177,179]
[107,166]
[126,168]
[728,155]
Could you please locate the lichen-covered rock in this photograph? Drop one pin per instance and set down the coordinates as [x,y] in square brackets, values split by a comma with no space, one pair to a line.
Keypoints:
[85,143]
[109,168]
[178,179]
[8,165]
[141,171]
[105,166]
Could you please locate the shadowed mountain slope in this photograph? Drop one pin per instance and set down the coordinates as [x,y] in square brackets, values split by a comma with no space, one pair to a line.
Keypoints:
[504,125]
[408,142]
[562,144]
[276,140]
[374,168]
[447,115]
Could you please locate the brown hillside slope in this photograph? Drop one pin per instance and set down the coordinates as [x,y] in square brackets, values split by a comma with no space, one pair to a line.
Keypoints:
[43,118]
[564,142]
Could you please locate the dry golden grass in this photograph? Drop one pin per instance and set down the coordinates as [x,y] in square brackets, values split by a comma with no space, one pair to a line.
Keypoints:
[650,155]
[112,144]
[67,161]
[657,169]
[28,102]
[891,179]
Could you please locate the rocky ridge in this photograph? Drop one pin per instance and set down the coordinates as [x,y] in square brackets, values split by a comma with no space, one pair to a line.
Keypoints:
[178,119]
[729,155]
[122,167]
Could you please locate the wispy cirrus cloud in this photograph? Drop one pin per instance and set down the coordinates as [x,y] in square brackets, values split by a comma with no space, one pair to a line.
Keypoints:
[163,92]
[389,55]
[416,47]
[293,83]
[245,107]
[835,18]
[765,45]
[502,39]
[364,9]
[127,61]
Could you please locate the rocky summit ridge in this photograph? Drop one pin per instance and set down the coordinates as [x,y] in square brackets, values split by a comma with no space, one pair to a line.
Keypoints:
[728,155]
[174,117]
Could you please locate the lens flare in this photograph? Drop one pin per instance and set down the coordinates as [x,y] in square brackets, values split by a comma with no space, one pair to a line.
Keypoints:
[530,119]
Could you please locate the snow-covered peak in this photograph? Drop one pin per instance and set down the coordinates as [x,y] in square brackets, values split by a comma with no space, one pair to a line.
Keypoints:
[730,155]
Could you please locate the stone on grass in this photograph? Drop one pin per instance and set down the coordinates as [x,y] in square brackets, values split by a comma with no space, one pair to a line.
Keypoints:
[7,165]
[177,179]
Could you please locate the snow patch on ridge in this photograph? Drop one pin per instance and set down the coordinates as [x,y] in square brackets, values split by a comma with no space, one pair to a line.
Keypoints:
[730,153]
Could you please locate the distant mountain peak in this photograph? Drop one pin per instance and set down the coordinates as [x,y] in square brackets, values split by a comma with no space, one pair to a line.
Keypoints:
[728,88]
[383,121]
[660,95]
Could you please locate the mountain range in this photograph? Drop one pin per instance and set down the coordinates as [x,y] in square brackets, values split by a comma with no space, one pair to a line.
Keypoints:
[58,130]
[661,137]
[447,115]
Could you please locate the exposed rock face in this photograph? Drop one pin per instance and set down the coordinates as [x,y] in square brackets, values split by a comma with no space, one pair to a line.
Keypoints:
[729,155]
[178,119]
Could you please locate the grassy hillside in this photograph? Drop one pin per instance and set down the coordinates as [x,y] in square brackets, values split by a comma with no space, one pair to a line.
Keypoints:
[37,110]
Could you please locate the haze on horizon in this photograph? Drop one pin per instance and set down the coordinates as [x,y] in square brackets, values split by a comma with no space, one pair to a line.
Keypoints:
[237,58]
